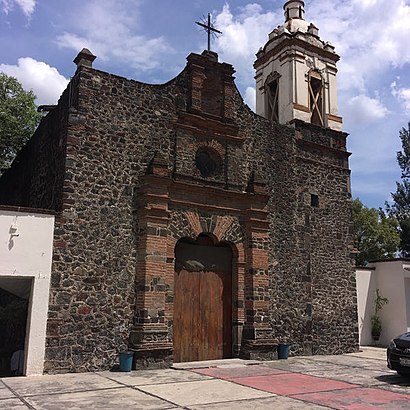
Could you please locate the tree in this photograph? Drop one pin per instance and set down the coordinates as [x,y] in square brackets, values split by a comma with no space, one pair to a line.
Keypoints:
[400,208]
[18,118]
[379,302]
[376,235]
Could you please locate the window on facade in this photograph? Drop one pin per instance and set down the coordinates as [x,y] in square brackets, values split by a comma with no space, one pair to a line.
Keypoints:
[208,162]
[273,101]
[314,201]
[316,99]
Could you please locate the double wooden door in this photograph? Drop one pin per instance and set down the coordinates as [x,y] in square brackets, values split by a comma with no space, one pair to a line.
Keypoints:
[202,325]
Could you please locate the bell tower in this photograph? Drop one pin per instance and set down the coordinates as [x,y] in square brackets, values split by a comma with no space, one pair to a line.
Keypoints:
[296,73]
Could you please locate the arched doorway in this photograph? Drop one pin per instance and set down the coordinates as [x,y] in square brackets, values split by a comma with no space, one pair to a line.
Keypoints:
[202,325]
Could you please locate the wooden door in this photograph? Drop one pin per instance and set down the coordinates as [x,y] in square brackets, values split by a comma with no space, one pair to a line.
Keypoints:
[202,303]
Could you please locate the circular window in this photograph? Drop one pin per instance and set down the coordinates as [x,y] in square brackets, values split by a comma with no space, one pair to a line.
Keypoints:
[208,162]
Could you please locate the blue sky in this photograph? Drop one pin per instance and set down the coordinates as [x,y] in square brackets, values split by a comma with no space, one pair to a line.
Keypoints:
[148,40]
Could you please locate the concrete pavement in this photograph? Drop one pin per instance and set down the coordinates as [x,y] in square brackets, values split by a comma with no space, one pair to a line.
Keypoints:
[352,381]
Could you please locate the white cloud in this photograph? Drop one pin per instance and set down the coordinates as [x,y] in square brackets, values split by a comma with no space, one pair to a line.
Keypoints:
[45,81]
[250,97]
[27,6]
[243,35]
[365,3]
[106,27]
[402,95]
[370,35]
[362,109]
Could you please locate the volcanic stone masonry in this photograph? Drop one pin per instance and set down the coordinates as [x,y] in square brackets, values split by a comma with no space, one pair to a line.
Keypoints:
[134,169]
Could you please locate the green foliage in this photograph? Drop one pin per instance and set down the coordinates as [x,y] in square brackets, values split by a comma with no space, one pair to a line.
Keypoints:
[376,235]
[376,326]
[18,118]
[401,198]
[379,302]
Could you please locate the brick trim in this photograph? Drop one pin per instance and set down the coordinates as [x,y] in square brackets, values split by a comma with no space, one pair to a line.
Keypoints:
[171,210]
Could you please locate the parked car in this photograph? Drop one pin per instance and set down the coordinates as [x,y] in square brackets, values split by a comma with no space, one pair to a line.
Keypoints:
[398,354]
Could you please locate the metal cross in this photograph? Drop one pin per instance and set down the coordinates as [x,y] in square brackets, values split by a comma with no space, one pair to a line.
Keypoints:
[209,28]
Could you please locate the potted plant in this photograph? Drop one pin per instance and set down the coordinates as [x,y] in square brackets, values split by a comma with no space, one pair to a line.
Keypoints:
[376,327]
[379,302]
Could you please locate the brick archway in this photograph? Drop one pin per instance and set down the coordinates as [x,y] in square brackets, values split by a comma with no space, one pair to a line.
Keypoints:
[224,229]
[169,211]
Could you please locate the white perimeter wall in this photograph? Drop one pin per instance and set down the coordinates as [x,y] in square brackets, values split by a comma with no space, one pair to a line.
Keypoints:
[366,287]
[26,241]
[391,278]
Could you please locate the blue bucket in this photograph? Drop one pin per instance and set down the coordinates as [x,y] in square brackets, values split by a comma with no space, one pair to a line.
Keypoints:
[283,351]
[126,360]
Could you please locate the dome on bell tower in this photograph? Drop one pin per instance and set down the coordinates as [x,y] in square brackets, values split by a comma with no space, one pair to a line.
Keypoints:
[295,16]
[294,9]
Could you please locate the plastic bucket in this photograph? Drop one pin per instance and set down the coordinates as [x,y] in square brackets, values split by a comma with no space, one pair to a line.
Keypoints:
[283,351]
[126,361]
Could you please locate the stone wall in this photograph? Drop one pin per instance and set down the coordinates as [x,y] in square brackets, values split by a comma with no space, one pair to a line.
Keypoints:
[114,134]
[327,236]
[131,190]
[313,273]
[36,176]
[327,232]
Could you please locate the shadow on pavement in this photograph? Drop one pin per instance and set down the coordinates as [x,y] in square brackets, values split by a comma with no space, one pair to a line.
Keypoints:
[394,379]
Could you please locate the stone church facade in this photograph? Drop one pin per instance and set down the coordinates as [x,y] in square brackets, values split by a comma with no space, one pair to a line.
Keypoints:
[188,227]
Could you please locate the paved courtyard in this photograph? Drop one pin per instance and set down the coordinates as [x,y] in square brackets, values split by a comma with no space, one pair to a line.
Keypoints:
[352,381]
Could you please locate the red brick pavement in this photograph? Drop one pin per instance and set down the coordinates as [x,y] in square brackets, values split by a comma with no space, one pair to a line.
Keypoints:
[358,399]
[318,390]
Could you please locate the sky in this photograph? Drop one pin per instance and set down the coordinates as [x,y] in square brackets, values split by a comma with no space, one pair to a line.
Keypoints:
[149,40]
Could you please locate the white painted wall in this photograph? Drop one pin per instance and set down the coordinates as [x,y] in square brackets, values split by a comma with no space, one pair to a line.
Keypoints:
[407,291]
[391,278]
[26,243]
[366,288]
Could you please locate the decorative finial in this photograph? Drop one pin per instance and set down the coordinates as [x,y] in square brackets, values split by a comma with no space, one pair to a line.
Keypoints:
[85,58]
[209,28]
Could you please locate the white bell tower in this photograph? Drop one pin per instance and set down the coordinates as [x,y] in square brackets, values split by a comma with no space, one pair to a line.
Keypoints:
[296,73]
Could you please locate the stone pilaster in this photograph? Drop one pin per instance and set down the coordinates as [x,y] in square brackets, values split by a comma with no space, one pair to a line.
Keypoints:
[197,78]
[149,337]
[257,341]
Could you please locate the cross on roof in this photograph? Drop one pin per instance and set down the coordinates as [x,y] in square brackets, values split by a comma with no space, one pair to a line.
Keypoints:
[209,28]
